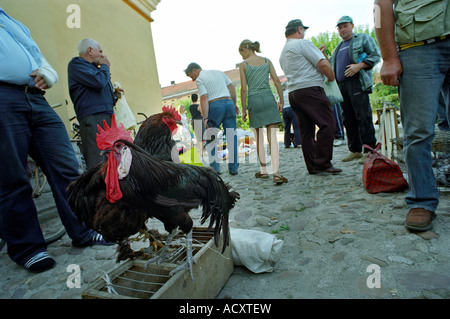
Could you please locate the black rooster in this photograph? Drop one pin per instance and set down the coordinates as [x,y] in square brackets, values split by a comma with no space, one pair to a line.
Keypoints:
[118,196]
[155,134]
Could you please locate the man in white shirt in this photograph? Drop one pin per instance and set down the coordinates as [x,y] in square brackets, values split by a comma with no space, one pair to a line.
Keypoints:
[218,106]
[305,67]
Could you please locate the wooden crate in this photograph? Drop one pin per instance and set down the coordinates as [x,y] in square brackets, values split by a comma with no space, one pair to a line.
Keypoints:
[131,280]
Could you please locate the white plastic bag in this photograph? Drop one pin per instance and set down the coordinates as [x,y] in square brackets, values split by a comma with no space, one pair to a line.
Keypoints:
[332,91]
[123,112]
[254,249]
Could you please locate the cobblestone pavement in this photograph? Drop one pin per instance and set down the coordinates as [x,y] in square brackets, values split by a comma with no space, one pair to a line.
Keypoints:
[332,231]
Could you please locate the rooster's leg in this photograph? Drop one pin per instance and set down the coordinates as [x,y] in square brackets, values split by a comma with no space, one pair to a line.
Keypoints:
[163,255]
[189,258]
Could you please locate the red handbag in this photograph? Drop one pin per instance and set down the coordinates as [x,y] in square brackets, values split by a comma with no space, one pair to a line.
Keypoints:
[380,174]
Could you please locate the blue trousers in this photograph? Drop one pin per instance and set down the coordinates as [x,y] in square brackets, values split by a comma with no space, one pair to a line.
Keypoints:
[424,81]
[222,112]
[290,118]
[339,133]
[29,126]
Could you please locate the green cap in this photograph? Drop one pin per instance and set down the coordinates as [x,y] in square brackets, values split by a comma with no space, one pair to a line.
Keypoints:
[295,23]
[344,19]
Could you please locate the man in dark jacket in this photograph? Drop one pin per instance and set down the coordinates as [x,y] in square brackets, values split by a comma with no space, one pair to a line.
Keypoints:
[353,61]
[92,94]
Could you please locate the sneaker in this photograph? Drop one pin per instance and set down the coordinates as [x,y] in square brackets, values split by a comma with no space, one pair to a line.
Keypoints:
[39,262]
[352,156]
[338,142]
[362,159]
[97,239]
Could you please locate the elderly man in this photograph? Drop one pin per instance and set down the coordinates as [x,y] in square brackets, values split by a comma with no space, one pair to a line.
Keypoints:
[29,126]
[305,66]
[352,62]
[218,106]
[416,58]
[92,95]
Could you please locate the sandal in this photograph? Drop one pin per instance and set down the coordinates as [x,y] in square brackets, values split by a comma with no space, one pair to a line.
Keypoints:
[279,179]
[261,175]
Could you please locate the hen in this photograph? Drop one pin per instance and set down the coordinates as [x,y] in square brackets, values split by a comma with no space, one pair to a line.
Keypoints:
[155,134]
[118,196]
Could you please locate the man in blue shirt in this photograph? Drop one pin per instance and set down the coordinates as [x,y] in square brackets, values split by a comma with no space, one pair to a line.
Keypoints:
[92,94]
[29,126]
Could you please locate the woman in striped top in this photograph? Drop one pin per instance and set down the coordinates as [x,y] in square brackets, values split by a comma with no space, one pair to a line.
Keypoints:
[257,97]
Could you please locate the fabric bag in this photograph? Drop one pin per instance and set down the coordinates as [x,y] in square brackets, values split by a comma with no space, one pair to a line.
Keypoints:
[123,112]
[191,157]
[254,249]
[380,174]
[332,92]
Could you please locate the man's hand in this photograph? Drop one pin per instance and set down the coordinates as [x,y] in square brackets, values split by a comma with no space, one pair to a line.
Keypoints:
[323,48]
[39,81]
[104,60]
[353,69]
[390,72]
[118,92]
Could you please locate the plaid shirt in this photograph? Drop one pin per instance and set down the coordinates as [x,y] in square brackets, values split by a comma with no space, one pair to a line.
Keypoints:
[362,49]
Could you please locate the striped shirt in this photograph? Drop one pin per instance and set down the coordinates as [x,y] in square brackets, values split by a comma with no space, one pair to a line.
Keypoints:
[213,83]
[257,78]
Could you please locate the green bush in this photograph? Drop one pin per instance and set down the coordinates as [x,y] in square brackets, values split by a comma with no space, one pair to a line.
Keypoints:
[383,93]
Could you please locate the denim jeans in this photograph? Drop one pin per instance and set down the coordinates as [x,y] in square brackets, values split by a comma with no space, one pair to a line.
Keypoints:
[290,118]
[28,125]
[222,112]
[337,113]
[425,74]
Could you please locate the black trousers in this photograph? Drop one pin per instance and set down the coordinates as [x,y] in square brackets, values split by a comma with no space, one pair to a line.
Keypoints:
[88,133]
[313,108]
[357,116]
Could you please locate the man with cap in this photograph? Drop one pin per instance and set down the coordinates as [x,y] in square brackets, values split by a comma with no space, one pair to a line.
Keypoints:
[352,62]
[305,67]
[218,107]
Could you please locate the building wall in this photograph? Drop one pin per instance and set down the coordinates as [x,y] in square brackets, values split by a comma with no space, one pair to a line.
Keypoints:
[124,34]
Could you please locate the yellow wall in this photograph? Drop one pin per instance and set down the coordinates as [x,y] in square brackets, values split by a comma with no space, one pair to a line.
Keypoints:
[124,34]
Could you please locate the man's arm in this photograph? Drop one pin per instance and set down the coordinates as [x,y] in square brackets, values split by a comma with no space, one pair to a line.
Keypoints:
[232,91]
[325,68]
[384,29]
[95,78]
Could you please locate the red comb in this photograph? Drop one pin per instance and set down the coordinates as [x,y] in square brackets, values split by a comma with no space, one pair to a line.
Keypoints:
[108,136]
[172,110]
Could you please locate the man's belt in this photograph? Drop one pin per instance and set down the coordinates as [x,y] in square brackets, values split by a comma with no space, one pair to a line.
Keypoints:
[23,88]
[416,44]
[219,99]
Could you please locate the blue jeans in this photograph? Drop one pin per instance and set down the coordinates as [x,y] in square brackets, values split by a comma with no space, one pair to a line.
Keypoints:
[28,125]
[222,112]
[290,118]
[425,74]
[337,113]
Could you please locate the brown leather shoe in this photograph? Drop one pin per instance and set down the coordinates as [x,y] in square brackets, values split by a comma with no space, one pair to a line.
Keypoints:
[419,219]
[329,170]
